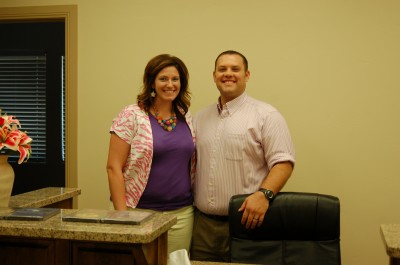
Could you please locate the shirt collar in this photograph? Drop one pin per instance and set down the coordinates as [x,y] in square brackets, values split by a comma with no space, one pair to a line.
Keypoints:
[232,105]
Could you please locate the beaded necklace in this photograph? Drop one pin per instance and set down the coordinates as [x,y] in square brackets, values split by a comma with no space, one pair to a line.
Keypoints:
[168,124]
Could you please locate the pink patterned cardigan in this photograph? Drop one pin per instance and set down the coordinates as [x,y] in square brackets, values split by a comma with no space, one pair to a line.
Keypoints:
[133,126]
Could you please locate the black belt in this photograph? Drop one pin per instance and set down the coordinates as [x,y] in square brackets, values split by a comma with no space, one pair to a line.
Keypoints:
[221,218]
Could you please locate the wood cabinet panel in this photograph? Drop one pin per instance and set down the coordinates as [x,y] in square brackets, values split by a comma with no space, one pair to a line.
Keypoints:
[87,253]
[23,251]
[29,251]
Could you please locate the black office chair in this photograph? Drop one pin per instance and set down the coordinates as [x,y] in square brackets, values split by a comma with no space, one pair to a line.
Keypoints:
[299,229]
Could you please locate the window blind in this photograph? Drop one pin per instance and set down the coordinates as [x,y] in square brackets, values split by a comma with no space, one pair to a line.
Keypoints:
[23,95]
[63,108]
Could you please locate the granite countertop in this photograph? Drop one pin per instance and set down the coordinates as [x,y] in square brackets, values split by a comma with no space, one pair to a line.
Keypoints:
[42,197]
[55,228]
[391,238]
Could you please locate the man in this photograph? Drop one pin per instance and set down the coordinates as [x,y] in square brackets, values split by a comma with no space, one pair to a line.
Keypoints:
[243,146]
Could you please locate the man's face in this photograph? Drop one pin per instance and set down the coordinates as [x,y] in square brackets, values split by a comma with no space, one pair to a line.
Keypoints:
[230,76]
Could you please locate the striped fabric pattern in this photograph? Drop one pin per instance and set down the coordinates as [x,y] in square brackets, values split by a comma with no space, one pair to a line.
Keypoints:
[236,147]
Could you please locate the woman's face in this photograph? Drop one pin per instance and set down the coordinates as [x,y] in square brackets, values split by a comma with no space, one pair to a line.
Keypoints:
[167,84]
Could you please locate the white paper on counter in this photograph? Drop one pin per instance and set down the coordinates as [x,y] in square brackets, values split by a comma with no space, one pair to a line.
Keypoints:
[179,257]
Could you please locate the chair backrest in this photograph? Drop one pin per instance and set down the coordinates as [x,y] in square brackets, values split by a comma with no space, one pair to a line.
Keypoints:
[298,229]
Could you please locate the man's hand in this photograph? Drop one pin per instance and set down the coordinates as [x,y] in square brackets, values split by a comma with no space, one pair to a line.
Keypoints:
[256,205]
[254,208]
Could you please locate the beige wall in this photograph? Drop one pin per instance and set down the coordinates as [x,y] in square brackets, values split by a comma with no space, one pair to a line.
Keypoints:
[331,67]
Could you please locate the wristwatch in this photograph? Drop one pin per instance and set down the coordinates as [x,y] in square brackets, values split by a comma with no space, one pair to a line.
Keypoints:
[269,194]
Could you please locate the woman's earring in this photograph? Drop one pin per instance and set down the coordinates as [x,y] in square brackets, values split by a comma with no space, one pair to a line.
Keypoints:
[153,93]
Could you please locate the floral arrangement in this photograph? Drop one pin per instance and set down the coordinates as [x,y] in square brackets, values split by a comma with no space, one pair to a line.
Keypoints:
[12,139]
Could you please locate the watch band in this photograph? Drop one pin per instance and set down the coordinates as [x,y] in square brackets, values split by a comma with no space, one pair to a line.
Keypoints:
[269,194]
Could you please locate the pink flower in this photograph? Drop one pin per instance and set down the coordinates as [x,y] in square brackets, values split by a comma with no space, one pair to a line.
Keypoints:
[14,139]
[6,121]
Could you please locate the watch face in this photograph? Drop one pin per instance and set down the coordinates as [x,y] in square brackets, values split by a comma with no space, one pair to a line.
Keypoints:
[269,194]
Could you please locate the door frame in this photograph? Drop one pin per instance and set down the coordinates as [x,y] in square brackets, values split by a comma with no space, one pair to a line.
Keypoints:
[68,14]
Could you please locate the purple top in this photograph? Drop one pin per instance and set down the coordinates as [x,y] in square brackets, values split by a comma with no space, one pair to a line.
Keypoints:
[169,184]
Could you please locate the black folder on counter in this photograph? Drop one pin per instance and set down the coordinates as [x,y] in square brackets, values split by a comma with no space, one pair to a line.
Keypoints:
[27,214]
[108,216]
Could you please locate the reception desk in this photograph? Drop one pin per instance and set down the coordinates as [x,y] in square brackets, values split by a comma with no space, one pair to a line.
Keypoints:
[53,197]
[391,237]
[57,242]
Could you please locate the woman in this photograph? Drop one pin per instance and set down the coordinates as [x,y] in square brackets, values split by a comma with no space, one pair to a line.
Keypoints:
[151,153]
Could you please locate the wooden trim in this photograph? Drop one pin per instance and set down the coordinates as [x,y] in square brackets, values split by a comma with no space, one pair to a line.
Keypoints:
[157,250]
[68,14]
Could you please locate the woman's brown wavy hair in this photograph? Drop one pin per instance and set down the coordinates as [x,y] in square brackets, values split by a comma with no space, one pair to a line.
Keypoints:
[153,67]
